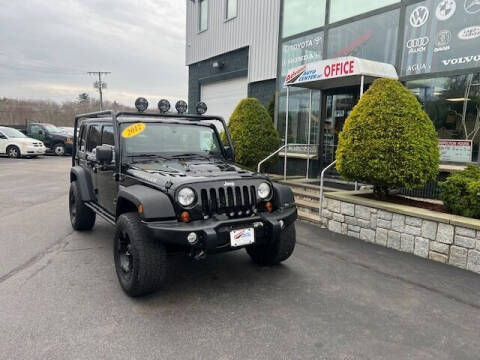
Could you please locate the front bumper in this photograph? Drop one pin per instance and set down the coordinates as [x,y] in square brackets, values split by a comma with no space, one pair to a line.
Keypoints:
[214,234]
[33,150]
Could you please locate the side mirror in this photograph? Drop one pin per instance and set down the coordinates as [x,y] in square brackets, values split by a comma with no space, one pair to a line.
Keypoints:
[229,155]
[41,132]
[104,154]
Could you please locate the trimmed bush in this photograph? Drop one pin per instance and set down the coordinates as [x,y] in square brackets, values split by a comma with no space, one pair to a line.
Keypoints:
[461,192]
[388,140]
[252,132]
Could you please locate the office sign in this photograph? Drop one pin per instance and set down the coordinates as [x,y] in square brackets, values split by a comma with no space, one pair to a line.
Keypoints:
[441,36]
[455,150]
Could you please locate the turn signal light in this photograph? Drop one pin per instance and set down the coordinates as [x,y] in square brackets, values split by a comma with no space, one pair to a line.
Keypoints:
[269,206]
[185,216]
[140,209]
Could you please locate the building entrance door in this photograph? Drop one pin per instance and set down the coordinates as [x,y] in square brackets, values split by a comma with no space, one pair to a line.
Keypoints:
[337,105]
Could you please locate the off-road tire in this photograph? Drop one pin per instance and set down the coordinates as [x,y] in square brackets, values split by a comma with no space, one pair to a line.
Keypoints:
[59,149]
[13,152]
[81,217]
[275,252]
[148,258]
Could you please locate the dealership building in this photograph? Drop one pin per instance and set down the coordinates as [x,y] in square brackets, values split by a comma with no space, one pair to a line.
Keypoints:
[259,48]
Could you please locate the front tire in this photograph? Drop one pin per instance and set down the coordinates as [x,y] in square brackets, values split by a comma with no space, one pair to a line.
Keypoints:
[13,152]
[81,217]
[59,149]
[140,262]
[275,253]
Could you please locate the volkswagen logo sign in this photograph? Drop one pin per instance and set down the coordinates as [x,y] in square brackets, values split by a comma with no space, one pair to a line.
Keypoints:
[419,16]
[472,6]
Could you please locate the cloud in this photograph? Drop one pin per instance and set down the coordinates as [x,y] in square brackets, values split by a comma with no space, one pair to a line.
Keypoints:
[47,48]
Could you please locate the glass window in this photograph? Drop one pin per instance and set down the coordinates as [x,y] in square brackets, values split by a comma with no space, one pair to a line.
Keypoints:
[231,9]
[441,36]
[94,137]
[373,38]
[82,138]
[203,15]
[302,15]
[107,135]
[453,104]
[35,129]
[343,9]
[300,51]
[13,133]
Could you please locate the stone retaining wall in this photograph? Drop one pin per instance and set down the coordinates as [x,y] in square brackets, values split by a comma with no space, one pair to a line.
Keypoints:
[434,239]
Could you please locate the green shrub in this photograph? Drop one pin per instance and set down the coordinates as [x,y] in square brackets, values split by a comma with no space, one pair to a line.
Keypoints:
[461,192]
[388,140]
[252,132]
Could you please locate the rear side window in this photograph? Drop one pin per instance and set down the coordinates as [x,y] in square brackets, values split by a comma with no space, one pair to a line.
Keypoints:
[107,135]
[94,137]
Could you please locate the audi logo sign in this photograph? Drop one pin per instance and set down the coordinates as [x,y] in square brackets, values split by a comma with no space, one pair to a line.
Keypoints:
[421,41]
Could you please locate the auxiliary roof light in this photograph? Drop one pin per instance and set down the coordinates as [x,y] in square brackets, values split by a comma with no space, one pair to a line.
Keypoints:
[141,104]
[201,108]
[181,106]
[164,105]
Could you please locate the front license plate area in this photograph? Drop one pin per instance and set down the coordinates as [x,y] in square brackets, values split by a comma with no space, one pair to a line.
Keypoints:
[242,237]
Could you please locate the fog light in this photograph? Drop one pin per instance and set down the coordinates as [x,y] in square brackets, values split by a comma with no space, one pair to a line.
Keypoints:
[192,238]
[281,223]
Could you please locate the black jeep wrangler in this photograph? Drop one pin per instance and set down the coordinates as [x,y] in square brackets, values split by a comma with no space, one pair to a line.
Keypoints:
[168,184]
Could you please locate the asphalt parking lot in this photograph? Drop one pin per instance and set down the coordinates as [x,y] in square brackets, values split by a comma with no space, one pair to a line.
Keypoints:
[335,298]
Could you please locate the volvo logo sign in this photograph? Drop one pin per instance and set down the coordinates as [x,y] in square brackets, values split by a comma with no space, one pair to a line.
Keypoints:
[419,16]
[417,45]
[472,6]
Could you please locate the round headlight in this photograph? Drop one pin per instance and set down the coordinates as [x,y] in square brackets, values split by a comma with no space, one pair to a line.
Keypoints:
[186,196]
[141,104]
[181,106]
[164,105]
[263,191]
[201,108]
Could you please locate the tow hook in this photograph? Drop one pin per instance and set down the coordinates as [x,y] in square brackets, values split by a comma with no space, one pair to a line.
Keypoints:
[198,254]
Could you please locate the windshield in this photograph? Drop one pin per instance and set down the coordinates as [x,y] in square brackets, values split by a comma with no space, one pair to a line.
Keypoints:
[51,128]
[12,133]
[169,140]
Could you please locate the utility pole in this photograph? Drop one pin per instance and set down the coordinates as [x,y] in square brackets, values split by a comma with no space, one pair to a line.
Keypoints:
[99,84]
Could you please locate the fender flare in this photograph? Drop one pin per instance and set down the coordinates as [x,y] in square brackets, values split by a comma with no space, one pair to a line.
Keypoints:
[282,196]
[156,204]
[84,182]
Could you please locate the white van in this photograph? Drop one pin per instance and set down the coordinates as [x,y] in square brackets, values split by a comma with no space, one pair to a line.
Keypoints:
[15,144]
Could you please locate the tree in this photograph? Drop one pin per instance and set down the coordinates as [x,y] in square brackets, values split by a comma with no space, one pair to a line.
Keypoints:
[388,140]
[252,132]
[83,98]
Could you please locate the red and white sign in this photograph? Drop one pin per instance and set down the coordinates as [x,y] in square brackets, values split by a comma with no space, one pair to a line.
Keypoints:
[455,150]
[337,68]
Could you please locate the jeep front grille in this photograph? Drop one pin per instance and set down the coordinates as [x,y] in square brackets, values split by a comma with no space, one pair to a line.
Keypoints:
[231,200]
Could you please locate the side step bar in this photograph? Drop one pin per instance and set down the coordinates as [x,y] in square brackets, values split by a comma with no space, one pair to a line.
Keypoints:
[101,211]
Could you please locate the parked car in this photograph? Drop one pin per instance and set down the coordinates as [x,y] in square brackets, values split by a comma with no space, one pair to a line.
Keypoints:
[15,144]
[55,140]
[168,184]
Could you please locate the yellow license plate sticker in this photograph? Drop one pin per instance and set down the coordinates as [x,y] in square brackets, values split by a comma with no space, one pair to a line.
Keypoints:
[133,130]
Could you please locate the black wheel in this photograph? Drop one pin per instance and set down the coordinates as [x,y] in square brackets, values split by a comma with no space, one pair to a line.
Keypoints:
[81,217]
[59,149]
[140,262]
[13,152]
[276,252]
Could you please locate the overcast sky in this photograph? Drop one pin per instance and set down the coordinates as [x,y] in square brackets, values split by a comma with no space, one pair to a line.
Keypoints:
[47,46]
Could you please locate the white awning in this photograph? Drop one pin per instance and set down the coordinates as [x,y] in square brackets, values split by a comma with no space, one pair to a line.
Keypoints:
[338,72]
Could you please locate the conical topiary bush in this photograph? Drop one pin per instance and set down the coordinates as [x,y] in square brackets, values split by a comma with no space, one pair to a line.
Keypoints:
[388,140]
[252,132]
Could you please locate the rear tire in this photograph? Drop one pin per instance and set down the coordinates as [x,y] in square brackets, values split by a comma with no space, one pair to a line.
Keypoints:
[140,262]
[13,152]
[276,252]
[81,217]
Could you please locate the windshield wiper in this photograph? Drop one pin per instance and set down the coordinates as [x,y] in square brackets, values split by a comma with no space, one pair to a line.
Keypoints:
[191,155]
[150,156]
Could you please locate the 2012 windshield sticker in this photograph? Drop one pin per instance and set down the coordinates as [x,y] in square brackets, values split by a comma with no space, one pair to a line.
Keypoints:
[133,130]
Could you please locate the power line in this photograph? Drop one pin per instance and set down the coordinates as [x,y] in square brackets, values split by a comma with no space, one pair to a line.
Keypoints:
[99,84]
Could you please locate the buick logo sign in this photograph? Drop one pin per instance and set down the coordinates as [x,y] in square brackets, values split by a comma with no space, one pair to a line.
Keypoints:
[419,16]
[469,33]
[472,6]
[442,41]
[445,9]
[417,45]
